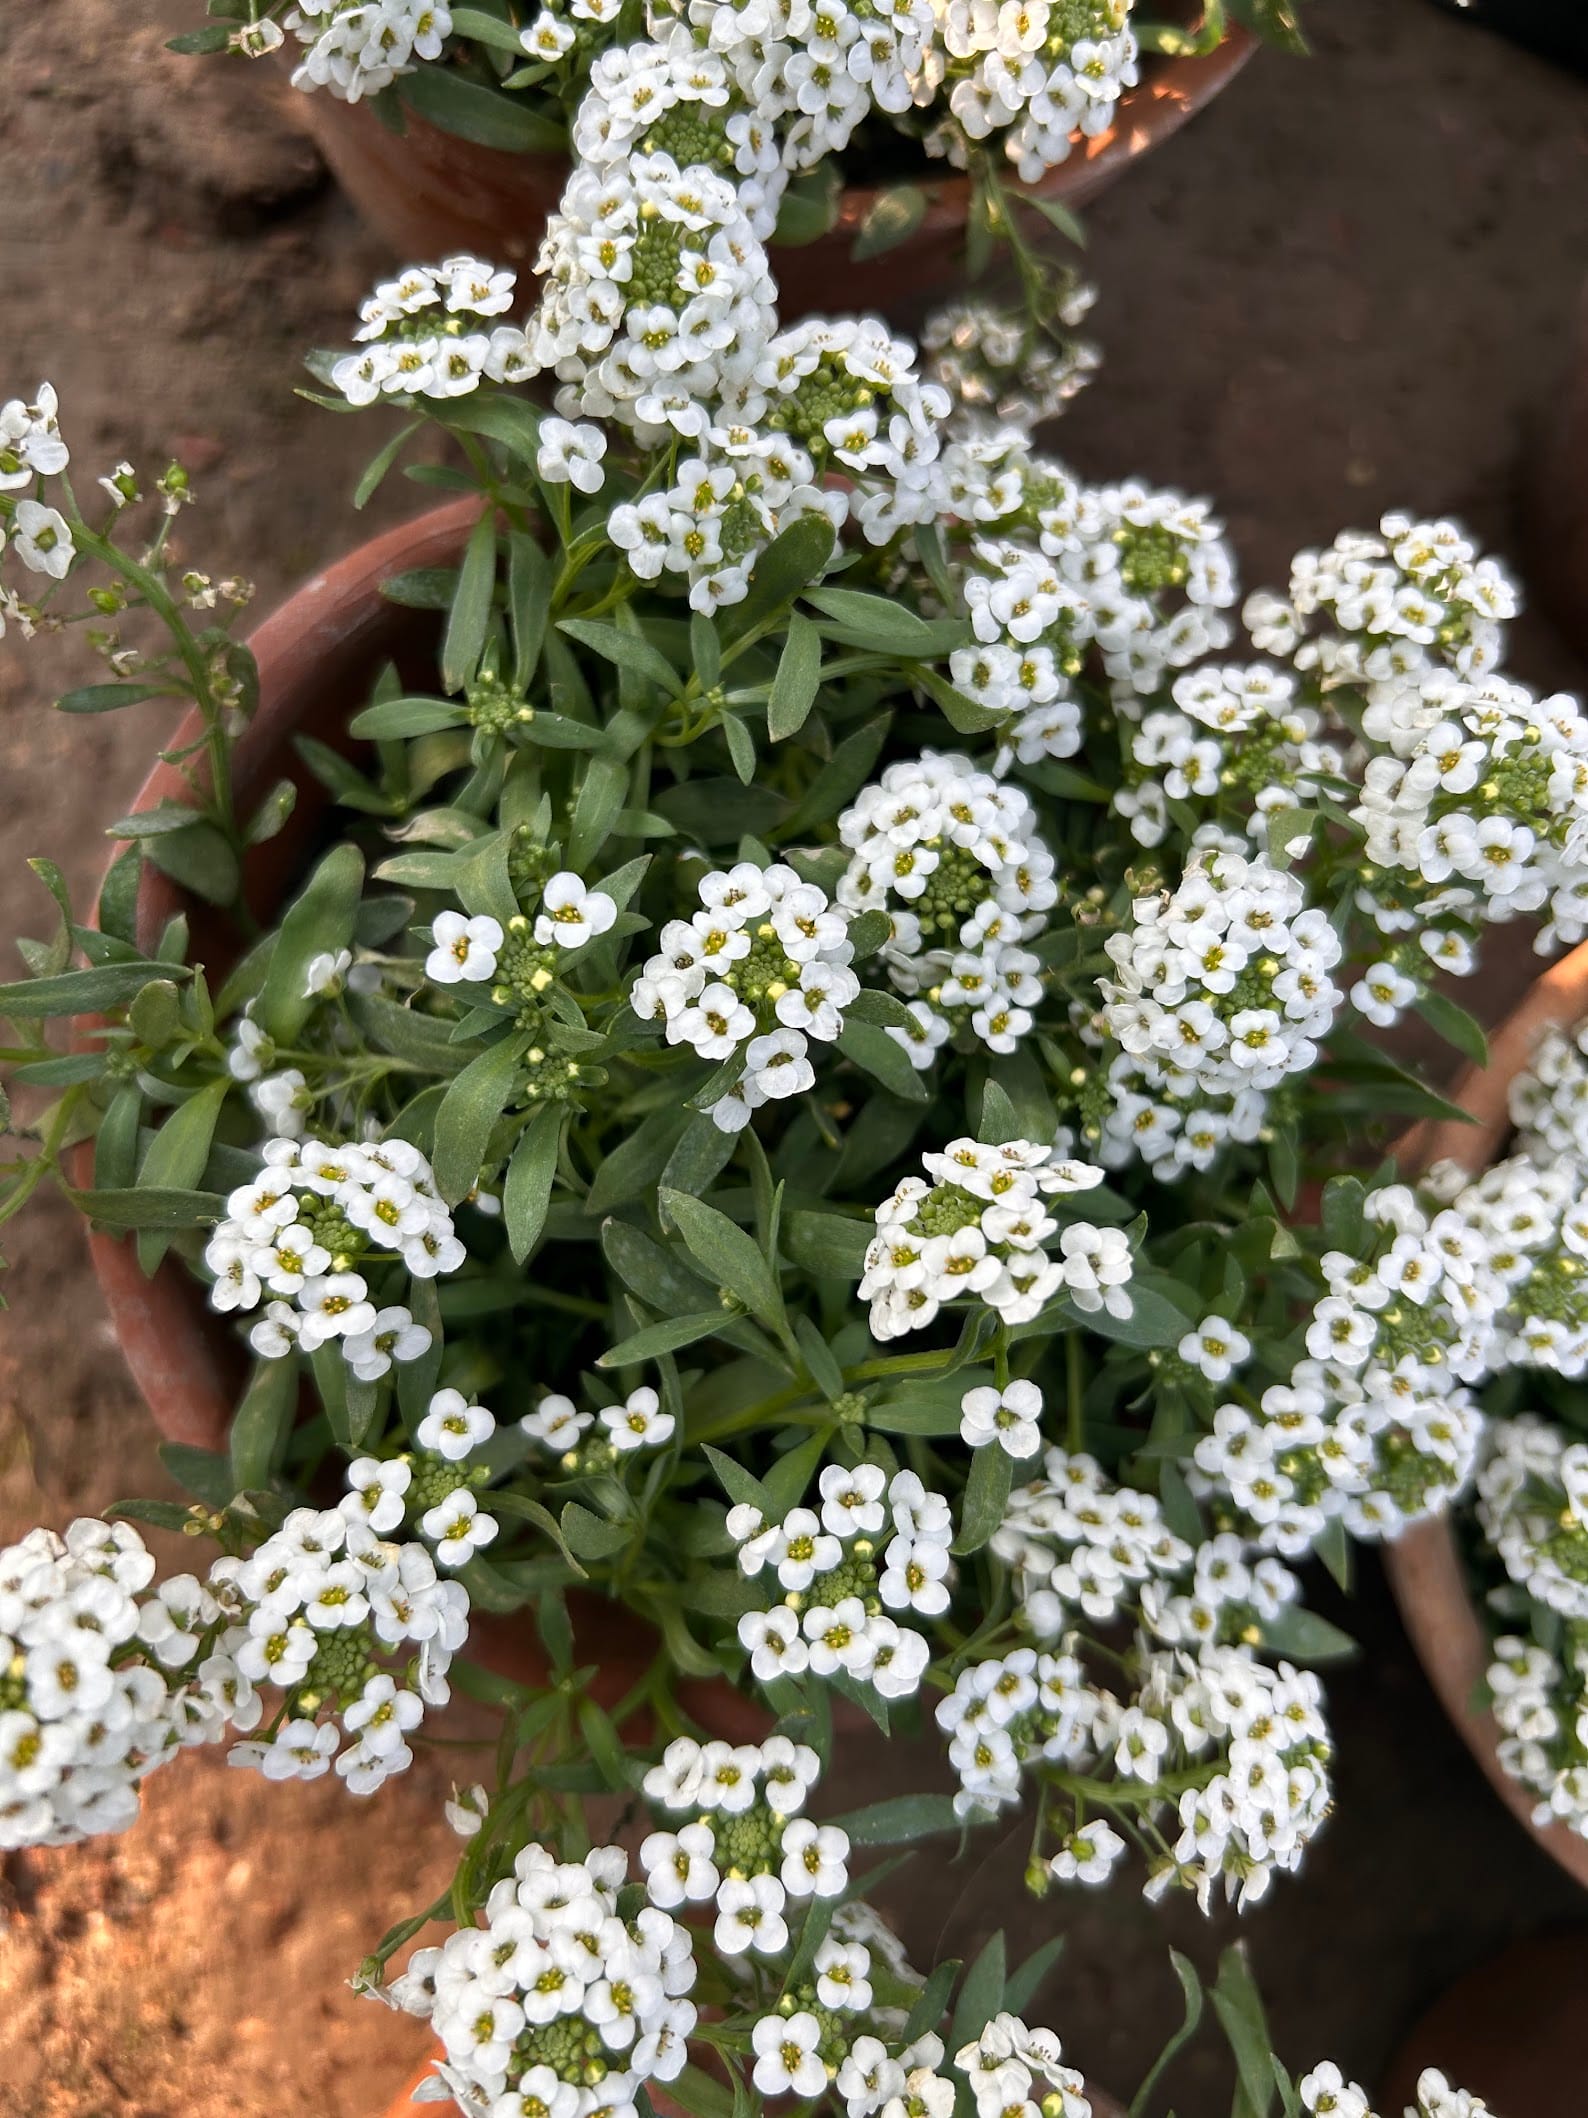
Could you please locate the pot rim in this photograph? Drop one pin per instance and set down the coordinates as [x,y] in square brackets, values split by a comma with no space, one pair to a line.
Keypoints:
[1424,1565]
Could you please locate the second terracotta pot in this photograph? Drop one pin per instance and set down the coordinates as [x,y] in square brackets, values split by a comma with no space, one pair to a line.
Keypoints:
[1425,1566]
[427,193]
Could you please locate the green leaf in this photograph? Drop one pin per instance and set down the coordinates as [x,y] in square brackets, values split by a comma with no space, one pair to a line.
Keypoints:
[1303,1636]
[374,474]
[982,1994]
[1342,1215]
[900,1820]
[175,1158]
[830,1245]
[470,615]
[1334,1548]
[215,37]
[959,711]
[796,556]
[139,1207]
[627,649]
[262,1423]
[1023,1985]
[1239,2008]
[986,1497]
[1057,215]
[528,603]
[527,1192]
[1455,1025]
[396,718]
[809,206]
[602,792]
[90,992]
[331,1375]
[1191,1988]
[201,859]
[927,2014]
[665,1337]
[207,1476]
[741,747]
[633,1166]
[845,772]
[799,671]
[591,1535]
[480,114]
[421,587]
[885,1059]
[116,1142]
[731,1258]
[109,698]
[319,923]
[881,626]
[1154,1321]
[895,215]
[469,1109]
[820,1361]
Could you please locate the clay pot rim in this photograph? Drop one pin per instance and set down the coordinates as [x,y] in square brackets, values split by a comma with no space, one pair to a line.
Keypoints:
[1426,1574]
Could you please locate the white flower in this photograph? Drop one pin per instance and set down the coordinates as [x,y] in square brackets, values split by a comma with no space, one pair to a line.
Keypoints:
[1011,1417]
[1088,1854]
[466,1811]
[42,540]
[570,454]
[452,1427]
[572,915]
[376,1491]
[639,1422]
[326,973]
[457,1528]
[750,1916]
[393,1336]
[465,949]
[815,1859]
[787,2059]
[1216,1348]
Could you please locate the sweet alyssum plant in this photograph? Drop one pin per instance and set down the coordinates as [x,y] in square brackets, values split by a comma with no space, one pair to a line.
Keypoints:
[799,1101]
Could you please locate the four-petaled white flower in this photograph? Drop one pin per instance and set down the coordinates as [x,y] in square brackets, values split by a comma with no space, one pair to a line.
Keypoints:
[571,915]
[465,949]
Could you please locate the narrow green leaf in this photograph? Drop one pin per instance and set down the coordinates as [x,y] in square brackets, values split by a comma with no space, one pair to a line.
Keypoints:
[627,649]
[319,923]
[798,676]
[1191,1988]
[89,992]
[469,1109]
[666,1337]
[730,1257]
[175,1158]
[986,1497]
[528,603]
[982,1994]
[262,1423]
[527,1192]
[900,1820]
[894,217]
[480,114]
[470,616]
[139,1207]
[397,718]
[885,1059]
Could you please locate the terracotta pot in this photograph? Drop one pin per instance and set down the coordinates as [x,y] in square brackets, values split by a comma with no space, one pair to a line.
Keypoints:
[317,656]
[428,193]
[1103,2106]
[1510,2032]
[1424,1566]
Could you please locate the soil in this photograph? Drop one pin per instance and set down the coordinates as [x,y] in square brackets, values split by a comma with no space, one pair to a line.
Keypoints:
[1346,287]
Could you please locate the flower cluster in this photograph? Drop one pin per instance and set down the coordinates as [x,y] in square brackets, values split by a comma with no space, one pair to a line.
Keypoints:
[692,102]
[876,1546]
[1549,1100]
[1326,2093]
[1533,1506]
[1035,78]
[1234,730]
[951,854]
[1074,1541]
[557,2002]
[355,48]
[1221,990]
[101,1683]
[304,1237]
[436,331]
[999,371]
[1375,1424]
[761,969]
[351,1622]
[655,295]
[1011,2066]
[1540,1702]
[1529,1225]
[745,1848]
[1373,609]
[1243,1748]
[980,1228]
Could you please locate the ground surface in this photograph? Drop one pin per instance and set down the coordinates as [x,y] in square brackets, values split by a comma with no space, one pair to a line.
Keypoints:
[1347,286]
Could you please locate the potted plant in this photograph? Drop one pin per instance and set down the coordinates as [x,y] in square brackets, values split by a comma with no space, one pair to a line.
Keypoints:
[691,1158]
[882,144]
[1491,1604]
